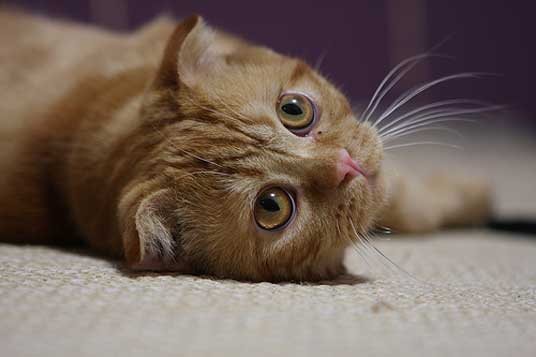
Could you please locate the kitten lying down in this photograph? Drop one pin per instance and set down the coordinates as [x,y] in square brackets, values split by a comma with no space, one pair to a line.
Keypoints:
[179,147]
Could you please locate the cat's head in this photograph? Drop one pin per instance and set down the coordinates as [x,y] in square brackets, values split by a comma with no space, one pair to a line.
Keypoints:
[259,168]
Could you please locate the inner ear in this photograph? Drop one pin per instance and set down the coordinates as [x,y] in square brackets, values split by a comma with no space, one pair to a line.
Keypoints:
[154,235]
[192,52]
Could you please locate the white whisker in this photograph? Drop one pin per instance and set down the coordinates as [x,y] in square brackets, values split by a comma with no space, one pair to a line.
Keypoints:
[451,114]
[422,143]
[375,252]
[400,134]
[424,108]
[411,63]
[355,247]
[391,264]
[380,92]
[406,97]
[418,124]
[366,250]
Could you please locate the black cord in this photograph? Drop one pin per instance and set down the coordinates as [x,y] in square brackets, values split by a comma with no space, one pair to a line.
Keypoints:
[523,226]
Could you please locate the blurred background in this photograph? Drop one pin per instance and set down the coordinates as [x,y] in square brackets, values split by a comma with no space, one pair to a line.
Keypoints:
[357,42]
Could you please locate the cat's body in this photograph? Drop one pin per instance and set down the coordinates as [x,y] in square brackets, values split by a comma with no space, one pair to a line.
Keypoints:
[52,72]
[105,138]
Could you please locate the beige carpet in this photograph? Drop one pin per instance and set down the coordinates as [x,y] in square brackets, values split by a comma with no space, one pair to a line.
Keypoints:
[475,293]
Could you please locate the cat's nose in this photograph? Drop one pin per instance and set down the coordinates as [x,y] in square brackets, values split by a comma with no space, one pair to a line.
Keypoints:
[347,168]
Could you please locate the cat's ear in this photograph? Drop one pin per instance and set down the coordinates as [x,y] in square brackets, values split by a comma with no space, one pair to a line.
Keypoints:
[150,239]
[192,51]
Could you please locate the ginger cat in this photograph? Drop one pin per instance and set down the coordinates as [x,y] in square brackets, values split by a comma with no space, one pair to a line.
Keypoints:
[179,147]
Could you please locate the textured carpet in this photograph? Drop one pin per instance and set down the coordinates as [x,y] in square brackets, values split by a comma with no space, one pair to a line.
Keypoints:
[474,293]
[479,300]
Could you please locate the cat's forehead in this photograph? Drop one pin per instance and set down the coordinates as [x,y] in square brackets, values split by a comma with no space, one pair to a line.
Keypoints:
[255,85]
[307,80]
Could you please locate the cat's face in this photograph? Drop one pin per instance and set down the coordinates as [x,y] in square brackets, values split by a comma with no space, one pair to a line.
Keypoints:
[267,173]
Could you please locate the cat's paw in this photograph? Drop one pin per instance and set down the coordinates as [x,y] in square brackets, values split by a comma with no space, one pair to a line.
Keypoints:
[437,202]
[468,200]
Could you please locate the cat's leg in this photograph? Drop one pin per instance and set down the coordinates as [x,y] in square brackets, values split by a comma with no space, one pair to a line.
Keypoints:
[424,205]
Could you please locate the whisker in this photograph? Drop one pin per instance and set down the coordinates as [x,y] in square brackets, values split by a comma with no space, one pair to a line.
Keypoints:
[393,266]
[422,143]
[366,114]
[365,251]
[319,61]
[401,134]
[406,97]
[368,248]
[354,246]
[381,92]
[432,106]
[414,125]
[416,59]
[446,114]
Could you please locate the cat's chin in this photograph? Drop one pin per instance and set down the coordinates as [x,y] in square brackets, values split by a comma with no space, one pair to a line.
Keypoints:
[327,266]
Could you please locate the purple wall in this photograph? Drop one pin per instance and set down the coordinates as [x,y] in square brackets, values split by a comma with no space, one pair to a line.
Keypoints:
[361,40]
[490,36]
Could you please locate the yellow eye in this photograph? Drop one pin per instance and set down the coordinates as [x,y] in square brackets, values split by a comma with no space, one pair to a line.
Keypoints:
[274,208]
[296,112]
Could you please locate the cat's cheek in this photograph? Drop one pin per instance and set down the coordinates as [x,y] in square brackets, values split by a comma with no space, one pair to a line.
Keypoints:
[379,198]
[379,188]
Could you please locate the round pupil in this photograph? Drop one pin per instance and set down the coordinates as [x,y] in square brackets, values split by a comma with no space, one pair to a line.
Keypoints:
[292,108]
[270,204]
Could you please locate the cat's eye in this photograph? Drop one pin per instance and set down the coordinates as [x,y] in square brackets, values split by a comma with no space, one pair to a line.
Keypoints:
[297,112]
[274,208]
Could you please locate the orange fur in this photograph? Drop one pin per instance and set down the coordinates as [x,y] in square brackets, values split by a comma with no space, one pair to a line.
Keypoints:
[152,146]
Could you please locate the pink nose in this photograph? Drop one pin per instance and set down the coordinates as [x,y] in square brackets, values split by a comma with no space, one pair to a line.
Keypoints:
[347,168]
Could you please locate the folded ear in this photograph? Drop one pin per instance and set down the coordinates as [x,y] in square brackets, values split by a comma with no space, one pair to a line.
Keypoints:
[151,236]
[192,52]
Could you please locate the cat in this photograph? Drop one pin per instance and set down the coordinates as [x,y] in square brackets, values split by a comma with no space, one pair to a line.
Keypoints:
[179,147]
